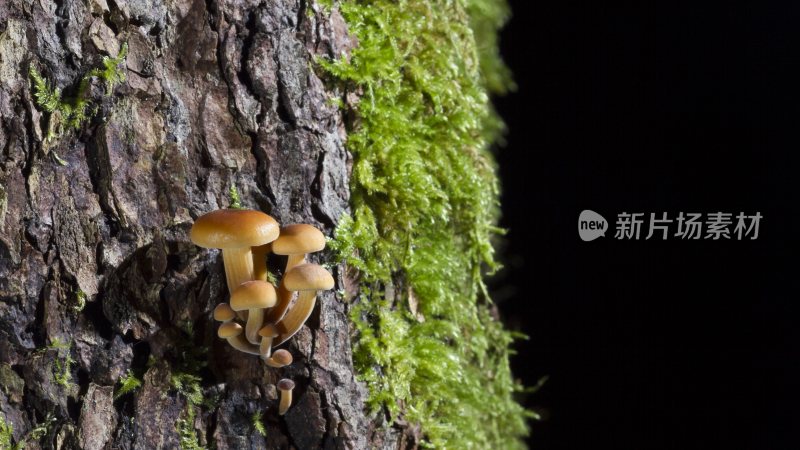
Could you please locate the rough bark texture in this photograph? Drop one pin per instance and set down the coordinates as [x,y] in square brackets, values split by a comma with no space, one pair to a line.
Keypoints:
[218,93]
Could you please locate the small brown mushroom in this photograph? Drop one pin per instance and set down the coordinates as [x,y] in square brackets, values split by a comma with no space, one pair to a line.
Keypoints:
[224,313]
[306,279]
[280,358]
[267,333]
[285,386]
[235,231]
[232,332]
[253,296]
[295,241]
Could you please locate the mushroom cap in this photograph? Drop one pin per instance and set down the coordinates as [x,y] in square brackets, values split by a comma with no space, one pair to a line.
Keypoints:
[298,239]
[286,384]
[229,330]
[282,357]
[223,312]
[252,295]
[268,331]
[308,277]
[234,228]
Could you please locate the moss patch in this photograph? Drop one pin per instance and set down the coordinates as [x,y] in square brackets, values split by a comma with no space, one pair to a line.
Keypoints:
[7,436]
[72,112]
[424,197]
[257,420]
[189,386]
[127,384]
[62,370]
[185,380]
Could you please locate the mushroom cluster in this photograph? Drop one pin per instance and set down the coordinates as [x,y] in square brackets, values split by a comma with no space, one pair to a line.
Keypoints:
[258,317]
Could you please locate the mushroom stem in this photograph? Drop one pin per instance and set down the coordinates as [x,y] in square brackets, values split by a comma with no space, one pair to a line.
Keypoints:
[239,343]
[294,260]
[285,386]
[295,318]
[260,261]
[232,332]
[255,320]
[265,349]
[276,313]
[238,266]
[286,402]
[267,334]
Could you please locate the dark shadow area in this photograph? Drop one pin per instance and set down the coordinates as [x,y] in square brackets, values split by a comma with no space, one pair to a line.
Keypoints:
[653,344]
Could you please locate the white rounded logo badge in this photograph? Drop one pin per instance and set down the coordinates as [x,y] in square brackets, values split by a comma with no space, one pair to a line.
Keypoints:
[591,225]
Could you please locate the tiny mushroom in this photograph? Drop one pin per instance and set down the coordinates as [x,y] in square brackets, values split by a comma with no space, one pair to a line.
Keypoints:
[267,333]
[235,231]
[254,296]
[307,279]
[232,332]
[295,241]
[280,358]
[224,313]
[285,386]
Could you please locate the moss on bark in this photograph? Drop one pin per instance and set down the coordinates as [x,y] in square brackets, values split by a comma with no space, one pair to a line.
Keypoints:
[424,196]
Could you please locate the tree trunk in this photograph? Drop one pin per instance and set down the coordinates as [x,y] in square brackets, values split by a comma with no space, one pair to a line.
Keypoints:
[219,93]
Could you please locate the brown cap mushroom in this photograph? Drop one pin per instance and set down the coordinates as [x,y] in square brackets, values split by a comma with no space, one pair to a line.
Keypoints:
[307,279]
[224,313]
[254,296]
[235,231]
[285,386]
[280,358]
[232,332]
[267,333]
[296,241]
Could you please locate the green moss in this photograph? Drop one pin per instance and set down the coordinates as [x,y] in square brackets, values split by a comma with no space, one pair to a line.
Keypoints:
[424,196]
[258,425]
[42,429]
[236,201]
[80,302]
[272,278]
[62,370]
[110,73]
[7,436]
[188,386]
[186,433]
[185,380]
[128,383]
[71,113]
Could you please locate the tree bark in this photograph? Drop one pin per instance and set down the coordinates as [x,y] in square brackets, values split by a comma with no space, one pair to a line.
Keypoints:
[219,93]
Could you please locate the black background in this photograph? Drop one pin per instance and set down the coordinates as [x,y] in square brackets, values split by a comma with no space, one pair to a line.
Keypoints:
[652,108]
